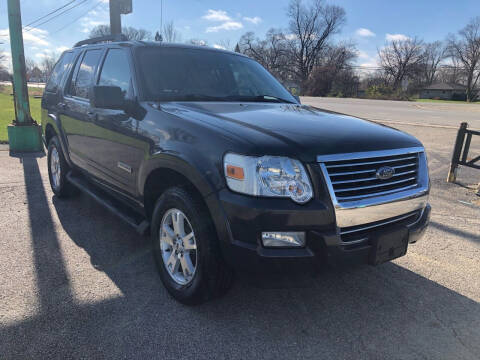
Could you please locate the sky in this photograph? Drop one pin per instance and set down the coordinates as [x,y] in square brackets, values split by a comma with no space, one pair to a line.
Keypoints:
[370,23]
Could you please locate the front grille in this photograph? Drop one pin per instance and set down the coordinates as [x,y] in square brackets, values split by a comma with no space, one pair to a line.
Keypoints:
[356,179]
[359,234]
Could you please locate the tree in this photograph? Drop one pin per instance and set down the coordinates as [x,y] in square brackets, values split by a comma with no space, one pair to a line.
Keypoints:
[170,34]
[4,75]
[2,60]
[47,65]
[466,50]
[272,52]
[29,66]
[451,74]
[433,54]
[225,44]
[333,74]
[311,27]
[130,32]
[401,59]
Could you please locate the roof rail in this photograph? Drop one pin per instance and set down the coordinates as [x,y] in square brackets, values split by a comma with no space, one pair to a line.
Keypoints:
[117,37]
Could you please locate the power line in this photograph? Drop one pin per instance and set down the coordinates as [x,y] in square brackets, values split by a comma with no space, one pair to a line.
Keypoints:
[56,16]
[78,18]
[50,13]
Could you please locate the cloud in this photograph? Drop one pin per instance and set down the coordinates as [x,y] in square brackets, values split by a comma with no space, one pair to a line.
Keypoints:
[365,32]
[290,36]
[99,16]
[396,37]
[254,20]
[216,15]
[42,55]
[61,49]
[32,36]
[362,54]
[228,25]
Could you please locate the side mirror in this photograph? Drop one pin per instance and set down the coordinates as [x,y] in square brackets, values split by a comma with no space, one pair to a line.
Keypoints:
[107,97]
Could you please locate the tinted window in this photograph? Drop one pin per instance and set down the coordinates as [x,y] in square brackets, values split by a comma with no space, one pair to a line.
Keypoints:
[84,80]
[179,74]
[58,71]
[116,70]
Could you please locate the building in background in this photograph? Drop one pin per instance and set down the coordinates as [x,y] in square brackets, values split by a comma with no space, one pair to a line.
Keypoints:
[444,91]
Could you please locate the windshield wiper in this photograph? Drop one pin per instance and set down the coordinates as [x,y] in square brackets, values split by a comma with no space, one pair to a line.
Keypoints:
[246,98]
[258,98]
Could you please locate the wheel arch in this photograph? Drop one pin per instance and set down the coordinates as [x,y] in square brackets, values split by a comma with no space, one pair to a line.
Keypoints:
[50,132]
[172,171]
[161,179]
[53,128]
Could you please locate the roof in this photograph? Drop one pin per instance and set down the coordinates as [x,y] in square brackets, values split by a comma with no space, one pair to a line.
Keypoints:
[120,40]
[445,86]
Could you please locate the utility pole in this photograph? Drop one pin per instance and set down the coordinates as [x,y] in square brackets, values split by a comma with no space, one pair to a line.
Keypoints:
[118,7]
[115,18]
[24,134]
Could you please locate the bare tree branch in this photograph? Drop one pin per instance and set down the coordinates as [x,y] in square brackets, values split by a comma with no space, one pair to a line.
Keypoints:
[272,52]
[433,54]
[402,59]
[312,27]
[130,32]
[466,50]
[170,33]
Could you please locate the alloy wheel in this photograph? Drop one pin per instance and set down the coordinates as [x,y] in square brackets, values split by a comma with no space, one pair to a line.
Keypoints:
[55,170]
[178,246]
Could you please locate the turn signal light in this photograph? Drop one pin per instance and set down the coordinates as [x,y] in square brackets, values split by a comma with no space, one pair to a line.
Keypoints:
[235,172]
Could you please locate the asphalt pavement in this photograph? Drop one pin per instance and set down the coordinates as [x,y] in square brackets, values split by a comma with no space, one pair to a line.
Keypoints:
[76,282]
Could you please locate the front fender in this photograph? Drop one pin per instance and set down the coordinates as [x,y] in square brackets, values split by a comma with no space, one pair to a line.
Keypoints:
[205,177]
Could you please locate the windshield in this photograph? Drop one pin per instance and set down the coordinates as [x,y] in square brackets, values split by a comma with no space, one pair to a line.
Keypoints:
[182,74]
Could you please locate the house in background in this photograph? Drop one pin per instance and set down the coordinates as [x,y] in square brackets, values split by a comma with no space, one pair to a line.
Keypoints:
[444,91]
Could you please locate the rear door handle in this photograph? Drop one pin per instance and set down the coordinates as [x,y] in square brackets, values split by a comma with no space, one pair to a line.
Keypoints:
[62,106]
[91,115]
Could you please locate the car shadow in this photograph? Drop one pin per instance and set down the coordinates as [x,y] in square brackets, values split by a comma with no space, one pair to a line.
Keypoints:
[360,313]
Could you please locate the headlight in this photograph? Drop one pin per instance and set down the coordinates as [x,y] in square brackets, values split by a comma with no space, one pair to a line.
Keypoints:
[271,176]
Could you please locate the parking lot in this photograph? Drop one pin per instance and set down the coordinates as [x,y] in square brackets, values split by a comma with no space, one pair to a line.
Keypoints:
[77,282]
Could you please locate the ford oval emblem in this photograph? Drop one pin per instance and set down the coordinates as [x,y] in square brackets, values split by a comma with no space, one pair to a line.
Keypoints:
[385,173]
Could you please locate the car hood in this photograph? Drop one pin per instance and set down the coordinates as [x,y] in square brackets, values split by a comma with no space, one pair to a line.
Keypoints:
[290,129]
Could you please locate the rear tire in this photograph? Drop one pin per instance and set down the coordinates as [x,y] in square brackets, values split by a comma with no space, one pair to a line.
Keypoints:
[207,276]
[58,170]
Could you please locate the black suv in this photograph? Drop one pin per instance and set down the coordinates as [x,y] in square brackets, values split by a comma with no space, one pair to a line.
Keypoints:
[210,154]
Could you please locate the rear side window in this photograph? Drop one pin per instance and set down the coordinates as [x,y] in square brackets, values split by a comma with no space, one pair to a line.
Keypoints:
[57,74]
[84,79]
[116,70]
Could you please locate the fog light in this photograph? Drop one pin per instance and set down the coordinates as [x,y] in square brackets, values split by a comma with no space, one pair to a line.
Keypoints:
[283,239]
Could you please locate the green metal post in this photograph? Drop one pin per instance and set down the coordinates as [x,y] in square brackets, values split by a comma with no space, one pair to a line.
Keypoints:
[18,61]
[24,133]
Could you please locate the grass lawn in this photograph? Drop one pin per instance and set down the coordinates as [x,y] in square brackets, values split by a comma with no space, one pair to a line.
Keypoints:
[7,112]
[445,101]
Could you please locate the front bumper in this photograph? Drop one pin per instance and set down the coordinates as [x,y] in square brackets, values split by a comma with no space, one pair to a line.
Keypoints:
[246,217]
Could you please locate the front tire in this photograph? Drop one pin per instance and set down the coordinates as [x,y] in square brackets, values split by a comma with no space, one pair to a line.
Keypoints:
[186,249]
[58,169]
